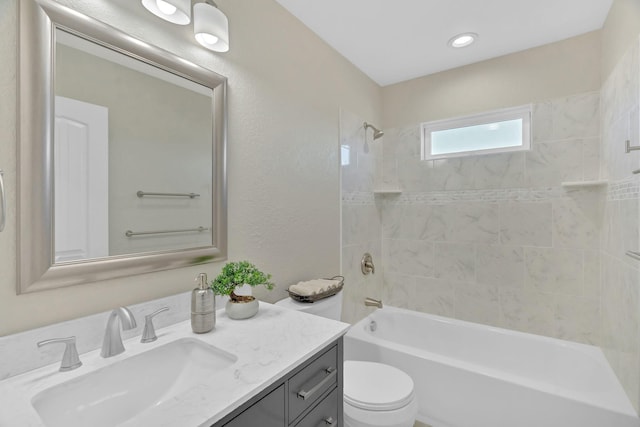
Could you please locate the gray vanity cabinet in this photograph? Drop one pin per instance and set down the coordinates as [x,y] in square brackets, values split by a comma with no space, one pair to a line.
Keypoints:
[308,396]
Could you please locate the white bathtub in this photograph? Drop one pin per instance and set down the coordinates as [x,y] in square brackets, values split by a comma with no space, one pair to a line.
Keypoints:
[470,375]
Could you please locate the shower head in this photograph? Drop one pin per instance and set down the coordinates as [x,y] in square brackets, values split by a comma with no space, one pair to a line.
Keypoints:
[377,133]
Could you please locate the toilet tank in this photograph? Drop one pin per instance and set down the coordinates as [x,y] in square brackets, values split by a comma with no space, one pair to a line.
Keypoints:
[330,307]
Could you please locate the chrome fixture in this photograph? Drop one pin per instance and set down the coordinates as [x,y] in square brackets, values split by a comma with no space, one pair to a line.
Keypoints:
[210,24]
[370,302]
[149,333]
[633,254]
[373,325]
[377,133]
[142,194]
[331,372]
[3,202]
[628,148]
[70,359]
[112,343]
[199,229]
[366,264]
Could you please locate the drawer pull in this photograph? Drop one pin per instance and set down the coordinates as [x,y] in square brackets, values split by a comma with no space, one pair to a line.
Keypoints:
[329,421]
[302,394]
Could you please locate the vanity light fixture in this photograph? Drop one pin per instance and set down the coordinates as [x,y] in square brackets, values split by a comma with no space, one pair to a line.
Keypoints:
[210,24]
[175,11]
[462,40]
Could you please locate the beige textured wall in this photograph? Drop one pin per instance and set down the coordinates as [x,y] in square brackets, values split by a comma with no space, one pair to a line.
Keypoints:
[285,90]
[564,68]
[620,30]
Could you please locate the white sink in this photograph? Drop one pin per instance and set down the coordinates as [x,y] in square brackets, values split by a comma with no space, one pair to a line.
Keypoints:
[119,392]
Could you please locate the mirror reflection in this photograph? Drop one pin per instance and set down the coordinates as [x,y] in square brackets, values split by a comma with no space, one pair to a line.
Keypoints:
[133,155]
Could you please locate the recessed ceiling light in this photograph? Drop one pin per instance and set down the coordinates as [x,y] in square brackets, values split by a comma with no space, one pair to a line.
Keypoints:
[462,40]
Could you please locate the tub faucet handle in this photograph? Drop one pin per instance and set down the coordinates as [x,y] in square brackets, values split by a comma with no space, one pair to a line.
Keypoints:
[370,302]
[366,265]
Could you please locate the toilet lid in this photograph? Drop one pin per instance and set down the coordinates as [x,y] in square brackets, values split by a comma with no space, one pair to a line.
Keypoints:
[376,387]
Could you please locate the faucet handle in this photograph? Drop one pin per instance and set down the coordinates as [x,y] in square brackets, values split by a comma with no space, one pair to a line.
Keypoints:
[70,359]
[149,333]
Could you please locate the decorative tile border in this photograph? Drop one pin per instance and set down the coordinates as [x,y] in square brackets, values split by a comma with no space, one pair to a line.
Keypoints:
[440,197]
[625,189]
[358,198]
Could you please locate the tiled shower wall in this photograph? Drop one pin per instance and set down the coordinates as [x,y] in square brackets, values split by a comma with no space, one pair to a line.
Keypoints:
[620,274]
[496,239]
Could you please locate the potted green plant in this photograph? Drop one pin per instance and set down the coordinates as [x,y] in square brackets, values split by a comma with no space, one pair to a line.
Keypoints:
[236,274]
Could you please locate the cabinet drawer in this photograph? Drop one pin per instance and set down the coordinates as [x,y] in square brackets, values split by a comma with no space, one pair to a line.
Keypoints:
[312,382]
[267,412]
[323,415]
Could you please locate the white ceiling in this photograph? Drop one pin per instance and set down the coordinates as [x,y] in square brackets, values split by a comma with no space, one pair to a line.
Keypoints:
[396,40]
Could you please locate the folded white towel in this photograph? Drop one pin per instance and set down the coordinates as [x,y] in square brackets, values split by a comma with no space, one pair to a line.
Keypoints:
[314,287]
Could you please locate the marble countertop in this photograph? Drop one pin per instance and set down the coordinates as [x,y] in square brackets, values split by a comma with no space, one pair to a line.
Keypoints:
[268,346]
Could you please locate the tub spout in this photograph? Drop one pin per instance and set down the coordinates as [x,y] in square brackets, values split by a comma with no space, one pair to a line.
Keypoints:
[370,302]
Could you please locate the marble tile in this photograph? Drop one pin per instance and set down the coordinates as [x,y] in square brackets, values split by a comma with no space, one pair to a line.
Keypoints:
[575,116]
[469,222]
[577,221]
[455,261]
[612,228]
[620,317]
[396,223]
[630,226]
[553,270]
[549,164]
[431,223]
[527,311]
[452,174]
[500,265]
[412,257]
[526,223]
[399,290]
[434,296]
[577,319]
[477,303]
[414,174]
[504,170]
[591,148]
[356,224]
[592,271]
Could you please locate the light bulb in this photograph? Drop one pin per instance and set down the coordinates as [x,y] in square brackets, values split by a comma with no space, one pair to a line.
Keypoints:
[206,38]
[462,40]
[166,8]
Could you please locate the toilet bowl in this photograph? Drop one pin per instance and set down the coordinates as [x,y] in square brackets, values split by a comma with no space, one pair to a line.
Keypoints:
[375,394]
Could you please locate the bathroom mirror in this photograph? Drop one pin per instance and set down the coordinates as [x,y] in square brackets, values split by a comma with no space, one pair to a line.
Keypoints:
[121,154]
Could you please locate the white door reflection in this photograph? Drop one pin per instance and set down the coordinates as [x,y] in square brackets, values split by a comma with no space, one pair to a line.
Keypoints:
[81,180]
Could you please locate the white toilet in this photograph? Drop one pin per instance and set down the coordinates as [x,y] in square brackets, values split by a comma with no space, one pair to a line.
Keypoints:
[375,394]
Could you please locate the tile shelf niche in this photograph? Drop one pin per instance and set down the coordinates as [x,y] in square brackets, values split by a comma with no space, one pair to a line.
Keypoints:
[387,191]
[569,185]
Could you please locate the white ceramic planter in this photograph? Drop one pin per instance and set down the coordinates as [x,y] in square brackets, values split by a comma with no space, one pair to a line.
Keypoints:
[241,310]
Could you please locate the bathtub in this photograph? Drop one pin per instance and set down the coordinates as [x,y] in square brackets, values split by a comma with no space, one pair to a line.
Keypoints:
[470,375]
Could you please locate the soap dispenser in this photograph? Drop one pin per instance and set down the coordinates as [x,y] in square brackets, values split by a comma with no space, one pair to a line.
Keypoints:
[203,306]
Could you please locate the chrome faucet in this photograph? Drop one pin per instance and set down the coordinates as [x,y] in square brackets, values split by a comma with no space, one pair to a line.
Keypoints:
[112,343]
[70,359]
[370,302]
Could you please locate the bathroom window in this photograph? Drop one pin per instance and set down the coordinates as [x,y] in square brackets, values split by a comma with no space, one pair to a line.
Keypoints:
[492,132]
